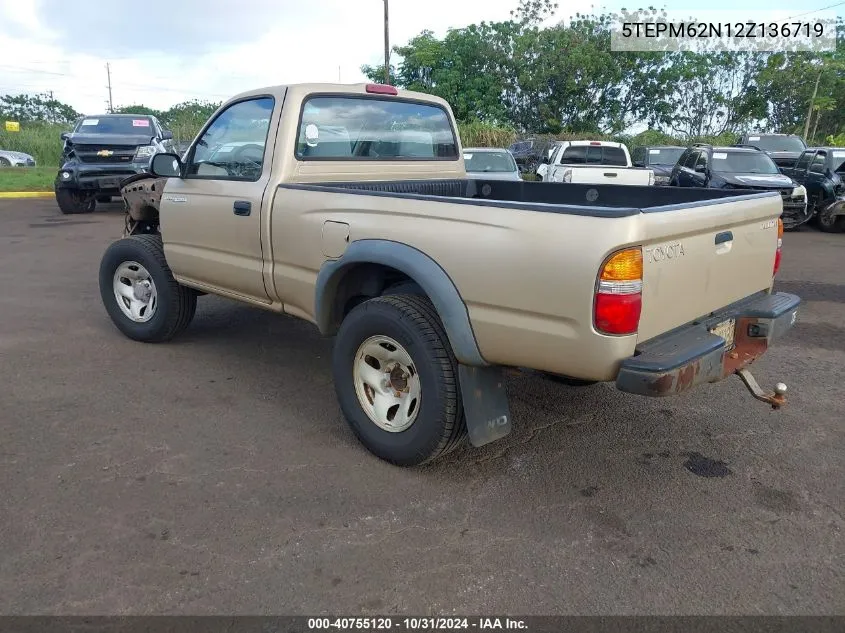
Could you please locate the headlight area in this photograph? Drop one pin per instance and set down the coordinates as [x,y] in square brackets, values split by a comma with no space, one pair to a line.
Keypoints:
[144,153]
[799,192]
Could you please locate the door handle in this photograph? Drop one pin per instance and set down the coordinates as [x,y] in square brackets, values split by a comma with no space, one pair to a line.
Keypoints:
[242,207]
[610,174]
[721,238]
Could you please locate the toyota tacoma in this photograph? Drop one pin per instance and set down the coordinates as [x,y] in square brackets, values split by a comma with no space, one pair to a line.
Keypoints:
[350,207]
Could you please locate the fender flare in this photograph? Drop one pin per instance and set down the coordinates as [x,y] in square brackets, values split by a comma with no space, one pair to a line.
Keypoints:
[422,269]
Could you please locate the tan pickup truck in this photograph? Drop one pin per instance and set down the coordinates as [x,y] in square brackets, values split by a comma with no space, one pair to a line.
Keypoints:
[349,207]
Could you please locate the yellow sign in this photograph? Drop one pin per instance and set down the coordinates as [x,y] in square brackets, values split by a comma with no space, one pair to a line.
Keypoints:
[13,126]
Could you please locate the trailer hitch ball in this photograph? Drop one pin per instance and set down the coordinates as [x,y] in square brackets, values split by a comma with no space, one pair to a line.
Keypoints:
[777,398]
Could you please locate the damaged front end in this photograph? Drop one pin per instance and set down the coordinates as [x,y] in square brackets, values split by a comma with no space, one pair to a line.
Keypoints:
[142,194]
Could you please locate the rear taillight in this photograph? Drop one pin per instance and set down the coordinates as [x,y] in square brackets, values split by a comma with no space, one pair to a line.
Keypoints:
[777,252]
[618,300]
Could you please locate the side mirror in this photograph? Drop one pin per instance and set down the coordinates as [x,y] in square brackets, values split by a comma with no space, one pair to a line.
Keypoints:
[166,135]
[167,165]
[639,163]
[700,169]
[545,160]
[65,136]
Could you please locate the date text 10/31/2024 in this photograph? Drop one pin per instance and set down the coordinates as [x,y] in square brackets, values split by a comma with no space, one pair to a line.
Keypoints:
[415,624]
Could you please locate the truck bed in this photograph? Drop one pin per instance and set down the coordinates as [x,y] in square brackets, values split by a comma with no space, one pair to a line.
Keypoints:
[612,201]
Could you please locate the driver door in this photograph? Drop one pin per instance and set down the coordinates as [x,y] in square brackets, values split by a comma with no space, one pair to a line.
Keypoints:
[211,217]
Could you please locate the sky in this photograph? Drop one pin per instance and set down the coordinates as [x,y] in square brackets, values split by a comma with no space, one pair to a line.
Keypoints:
[162,52]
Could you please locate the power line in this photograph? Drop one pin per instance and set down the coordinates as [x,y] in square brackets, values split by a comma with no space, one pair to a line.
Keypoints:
[833,6]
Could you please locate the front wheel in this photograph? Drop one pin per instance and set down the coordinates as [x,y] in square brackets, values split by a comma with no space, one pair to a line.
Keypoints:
[72,202]
[139,292]
[396,380]
[830,223]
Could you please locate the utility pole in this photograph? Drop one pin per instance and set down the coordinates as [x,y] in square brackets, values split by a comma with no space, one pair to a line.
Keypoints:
[386,45]
[108,74]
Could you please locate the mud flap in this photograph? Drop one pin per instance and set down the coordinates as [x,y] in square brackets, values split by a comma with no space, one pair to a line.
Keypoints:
[486,407]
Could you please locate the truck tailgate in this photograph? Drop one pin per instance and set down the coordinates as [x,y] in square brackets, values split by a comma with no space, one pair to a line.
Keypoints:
[699,258]
[604,174]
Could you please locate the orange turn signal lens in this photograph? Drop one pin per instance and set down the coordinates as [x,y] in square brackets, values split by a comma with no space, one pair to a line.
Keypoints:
[625,265]
[780,228]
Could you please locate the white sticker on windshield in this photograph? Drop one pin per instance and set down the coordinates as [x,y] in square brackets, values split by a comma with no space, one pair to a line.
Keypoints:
[140,123]
[720,155]
[654,151]
[90,121]
[753,138]
[225,149]
[838,153]
[468,156]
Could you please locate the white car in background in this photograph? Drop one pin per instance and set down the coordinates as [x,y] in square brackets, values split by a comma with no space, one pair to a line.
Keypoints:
[594,163]
[9,158]
[490,163]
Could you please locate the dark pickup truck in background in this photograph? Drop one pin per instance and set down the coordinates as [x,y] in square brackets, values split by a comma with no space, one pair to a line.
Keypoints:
[821,170]
[784,149]
[101,152]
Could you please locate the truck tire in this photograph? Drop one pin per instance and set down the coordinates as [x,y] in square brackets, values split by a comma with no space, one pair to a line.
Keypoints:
[139,292]
[831,223]
[72,202]
[393,345]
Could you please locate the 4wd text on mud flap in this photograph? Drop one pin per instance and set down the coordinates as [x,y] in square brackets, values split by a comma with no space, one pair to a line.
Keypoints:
[502,420]
[668,251]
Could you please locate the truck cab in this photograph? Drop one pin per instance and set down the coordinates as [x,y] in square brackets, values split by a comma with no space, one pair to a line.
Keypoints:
[594,162]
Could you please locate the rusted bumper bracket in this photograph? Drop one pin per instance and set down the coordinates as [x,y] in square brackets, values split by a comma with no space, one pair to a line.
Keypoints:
[692,354]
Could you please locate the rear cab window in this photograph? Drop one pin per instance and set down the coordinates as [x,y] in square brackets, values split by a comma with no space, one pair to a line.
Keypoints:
[594,155]
[353,127]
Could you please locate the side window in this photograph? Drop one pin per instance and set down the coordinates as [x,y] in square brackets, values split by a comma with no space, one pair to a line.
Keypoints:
[803,161]
[555,154]
[692,158]
[232,147]
[701,161]
[817,166]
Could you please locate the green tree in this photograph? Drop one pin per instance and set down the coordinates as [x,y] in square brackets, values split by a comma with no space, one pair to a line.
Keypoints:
[40,108]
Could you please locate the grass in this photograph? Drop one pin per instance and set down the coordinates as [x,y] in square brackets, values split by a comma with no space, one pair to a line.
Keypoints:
[27,178]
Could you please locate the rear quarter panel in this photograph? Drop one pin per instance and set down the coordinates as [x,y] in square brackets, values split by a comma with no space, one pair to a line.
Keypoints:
[527,278]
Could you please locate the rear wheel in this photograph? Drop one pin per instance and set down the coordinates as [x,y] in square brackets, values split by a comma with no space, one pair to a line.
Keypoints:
[72,202]
[139,292]
[5,162]
[396,380]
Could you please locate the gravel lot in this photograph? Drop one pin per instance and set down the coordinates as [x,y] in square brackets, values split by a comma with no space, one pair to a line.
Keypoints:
[214,475]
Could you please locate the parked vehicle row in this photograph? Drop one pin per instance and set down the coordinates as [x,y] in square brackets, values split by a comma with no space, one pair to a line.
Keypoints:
[821,171]
[364,221]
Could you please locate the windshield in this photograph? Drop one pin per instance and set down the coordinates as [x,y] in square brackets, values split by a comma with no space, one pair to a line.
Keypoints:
[777,143]
[664,155]
[131,125]
[489,161]
[744,163]
[838,161]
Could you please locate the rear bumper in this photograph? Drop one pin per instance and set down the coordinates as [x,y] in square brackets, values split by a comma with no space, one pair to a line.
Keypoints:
[691,355]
